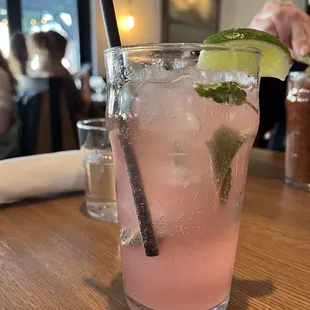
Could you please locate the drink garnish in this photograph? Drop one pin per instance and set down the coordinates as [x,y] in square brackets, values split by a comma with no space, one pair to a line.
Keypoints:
[226,186]
[224,145]
[275,62]
[225,92]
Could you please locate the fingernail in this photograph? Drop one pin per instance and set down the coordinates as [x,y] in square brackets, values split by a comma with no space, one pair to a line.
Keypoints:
[304,51]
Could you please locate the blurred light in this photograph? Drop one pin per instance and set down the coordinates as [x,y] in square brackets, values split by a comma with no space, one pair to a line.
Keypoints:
[46,28]
[66,18]
[57,27]
[3,12]
[48,17]
[65,62]
[5,40]
[203,9]
[33,22]
[43,21]
[35,29]
[5,21]
[35,63]
[127,22]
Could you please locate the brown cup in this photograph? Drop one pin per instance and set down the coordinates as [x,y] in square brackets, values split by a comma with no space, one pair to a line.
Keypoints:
[297,159]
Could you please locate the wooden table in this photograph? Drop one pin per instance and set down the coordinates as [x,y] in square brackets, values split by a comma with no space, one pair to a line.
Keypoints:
[53,257]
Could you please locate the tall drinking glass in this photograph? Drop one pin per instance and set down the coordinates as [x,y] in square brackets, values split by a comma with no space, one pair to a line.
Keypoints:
[297,165]
[180,166]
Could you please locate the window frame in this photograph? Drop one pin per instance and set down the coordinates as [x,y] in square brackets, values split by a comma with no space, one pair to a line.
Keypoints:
[83,6]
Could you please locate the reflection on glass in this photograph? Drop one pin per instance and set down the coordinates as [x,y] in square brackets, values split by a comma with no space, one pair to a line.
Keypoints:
[97,83]
[4,29]
[58,15]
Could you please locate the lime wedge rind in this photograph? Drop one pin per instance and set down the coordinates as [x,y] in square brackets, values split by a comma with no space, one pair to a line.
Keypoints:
[240,34]
[276,58]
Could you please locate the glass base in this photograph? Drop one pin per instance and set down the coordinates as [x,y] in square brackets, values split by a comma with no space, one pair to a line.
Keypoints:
[134,305]
[298,185]
[102,211]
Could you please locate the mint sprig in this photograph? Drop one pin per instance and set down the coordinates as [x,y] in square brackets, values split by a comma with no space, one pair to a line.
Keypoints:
[224,145]
[225,92]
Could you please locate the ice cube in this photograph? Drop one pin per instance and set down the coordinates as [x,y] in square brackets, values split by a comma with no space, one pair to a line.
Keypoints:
[166,107]
[181,176]
[191,123]
[125,100]
[155,73]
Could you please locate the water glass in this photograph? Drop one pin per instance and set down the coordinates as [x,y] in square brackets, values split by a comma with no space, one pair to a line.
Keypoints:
[99,170]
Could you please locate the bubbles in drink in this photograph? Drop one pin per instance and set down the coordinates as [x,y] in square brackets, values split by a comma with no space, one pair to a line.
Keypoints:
[170,132]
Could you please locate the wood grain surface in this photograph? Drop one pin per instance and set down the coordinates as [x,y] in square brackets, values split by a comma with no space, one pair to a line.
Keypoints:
[54,257]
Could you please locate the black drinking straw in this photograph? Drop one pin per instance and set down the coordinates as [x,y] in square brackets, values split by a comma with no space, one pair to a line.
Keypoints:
[143,213]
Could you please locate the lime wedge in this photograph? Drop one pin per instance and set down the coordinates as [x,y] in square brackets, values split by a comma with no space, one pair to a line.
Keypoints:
[276,58]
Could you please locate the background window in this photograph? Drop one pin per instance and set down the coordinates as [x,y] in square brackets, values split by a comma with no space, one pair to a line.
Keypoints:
[4,29]
[57,15]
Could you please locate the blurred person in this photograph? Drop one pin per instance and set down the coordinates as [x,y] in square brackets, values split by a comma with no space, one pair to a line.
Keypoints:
[49,48]
[292,26]
[19,54]
[9,121]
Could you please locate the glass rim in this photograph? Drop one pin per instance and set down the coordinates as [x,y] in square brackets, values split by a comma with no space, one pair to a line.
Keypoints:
[179,47]
[87,124]
[299,74]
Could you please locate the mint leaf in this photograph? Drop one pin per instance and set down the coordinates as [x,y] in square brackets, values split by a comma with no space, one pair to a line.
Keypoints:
[223,146]
[226,186]
[225,92]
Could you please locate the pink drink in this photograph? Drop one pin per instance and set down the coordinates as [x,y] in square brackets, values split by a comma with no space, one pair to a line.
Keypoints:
[170,129]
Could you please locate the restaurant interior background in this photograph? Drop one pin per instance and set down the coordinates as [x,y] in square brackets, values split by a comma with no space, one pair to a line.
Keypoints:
[54,255]
[140,21]
[81,23]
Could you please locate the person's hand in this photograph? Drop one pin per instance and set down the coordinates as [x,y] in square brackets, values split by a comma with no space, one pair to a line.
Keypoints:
[287,22]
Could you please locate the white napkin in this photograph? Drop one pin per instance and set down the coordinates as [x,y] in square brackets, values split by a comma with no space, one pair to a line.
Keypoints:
[41,176]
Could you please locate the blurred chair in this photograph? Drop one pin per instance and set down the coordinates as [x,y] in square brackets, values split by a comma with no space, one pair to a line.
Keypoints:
[48,117]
